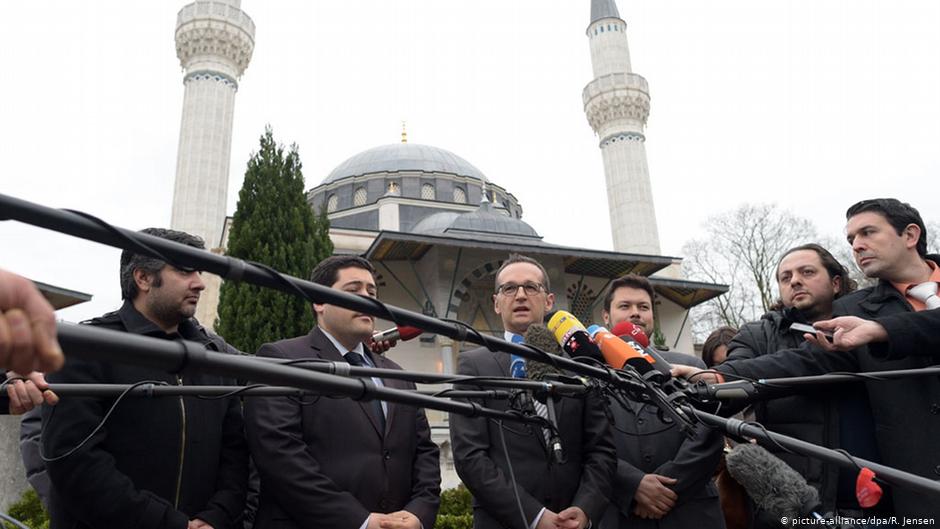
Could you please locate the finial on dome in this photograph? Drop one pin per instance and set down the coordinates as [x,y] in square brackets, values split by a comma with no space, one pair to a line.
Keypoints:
[404,133]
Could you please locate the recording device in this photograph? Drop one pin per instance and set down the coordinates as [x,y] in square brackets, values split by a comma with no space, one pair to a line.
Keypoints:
[773,485]
[804,328]
[401,332]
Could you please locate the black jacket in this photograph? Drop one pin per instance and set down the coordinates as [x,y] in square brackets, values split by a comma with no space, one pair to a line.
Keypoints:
[906,412]
[812,416]
[649,444]
[584,480]
[157,462]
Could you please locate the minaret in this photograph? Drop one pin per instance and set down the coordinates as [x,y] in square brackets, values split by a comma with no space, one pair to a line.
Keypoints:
[214,42]
[617,103]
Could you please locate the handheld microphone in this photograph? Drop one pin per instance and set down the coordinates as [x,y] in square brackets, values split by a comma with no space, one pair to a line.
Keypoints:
[572,336]
[629,331]
[619,353]
[401,332]
[540,337]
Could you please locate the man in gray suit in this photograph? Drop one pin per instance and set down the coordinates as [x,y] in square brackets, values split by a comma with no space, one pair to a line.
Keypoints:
[663,478]
[507,467]
[335,463]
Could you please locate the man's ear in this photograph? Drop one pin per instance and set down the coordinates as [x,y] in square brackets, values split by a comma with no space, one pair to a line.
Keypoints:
[143,279]
[495,305]
[606,316]
[912,234]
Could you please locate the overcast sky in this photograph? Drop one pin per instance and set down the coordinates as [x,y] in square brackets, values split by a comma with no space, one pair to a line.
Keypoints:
[810,104]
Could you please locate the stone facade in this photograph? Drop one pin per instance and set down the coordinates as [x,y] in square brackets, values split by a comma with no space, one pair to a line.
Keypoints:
[617,104]
[214,43]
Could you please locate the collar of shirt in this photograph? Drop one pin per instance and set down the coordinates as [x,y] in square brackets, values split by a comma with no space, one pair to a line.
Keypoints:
[917,304]
[342,348]
[137,323]
[508,335]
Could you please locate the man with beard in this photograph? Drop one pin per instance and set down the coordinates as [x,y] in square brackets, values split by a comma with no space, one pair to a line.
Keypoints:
[809,280]
[889,241]
[173,462]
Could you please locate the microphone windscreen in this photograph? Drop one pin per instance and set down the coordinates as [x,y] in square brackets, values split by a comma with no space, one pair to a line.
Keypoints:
[540,337]
[773,485]
[634,331]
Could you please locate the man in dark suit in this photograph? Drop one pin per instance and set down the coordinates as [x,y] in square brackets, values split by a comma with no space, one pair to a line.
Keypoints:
[545,495]
[335,462]
[663,478]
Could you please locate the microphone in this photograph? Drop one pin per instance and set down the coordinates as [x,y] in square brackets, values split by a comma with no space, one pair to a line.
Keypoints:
[572,336]
[401,332]
[629,331]
[773,485]
[619,353]
[540,337]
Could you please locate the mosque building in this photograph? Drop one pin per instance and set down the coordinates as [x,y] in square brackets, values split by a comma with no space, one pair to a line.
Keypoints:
[435,227]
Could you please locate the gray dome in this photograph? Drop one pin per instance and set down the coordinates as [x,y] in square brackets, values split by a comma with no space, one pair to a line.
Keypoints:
[435,224]
[404,157]
[482,222]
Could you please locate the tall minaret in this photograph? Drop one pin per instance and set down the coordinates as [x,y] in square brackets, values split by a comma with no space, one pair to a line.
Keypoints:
[214,42]
[617,103]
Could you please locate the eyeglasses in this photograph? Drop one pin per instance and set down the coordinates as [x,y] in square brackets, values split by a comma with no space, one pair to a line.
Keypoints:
[510,289]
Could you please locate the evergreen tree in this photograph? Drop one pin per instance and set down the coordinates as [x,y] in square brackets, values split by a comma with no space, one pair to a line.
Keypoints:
[273,225]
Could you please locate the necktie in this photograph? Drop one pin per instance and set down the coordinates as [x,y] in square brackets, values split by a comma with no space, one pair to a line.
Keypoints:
[517,370]
[927,293]
[357,360]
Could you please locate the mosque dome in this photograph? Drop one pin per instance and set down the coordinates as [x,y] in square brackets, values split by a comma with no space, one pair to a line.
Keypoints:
[397,157]
[421,180]
[485,221]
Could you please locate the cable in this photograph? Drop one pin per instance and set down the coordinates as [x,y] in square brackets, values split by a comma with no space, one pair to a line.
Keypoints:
[512,475]
[6,517]
[100,424]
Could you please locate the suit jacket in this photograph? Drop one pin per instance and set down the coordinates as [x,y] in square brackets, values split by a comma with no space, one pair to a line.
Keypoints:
[324,463]
[583,481]
[906,412]
[157,463]
[657,447]
[910,334]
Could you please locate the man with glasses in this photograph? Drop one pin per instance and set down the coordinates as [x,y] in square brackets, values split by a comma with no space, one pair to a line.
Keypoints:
[507,467]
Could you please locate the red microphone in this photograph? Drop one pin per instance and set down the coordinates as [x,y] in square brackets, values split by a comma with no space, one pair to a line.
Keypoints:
[401,332]
[633,331]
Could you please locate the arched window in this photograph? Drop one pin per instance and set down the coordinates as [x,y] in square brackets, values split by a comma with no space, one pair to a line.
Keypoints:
[331,203]
[394,189]
[427,192]
[460,196]
[359,198]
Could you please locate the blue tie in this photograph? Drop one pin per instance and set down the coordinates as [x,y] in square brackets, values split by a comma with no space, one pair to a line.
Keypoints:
[517,363]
